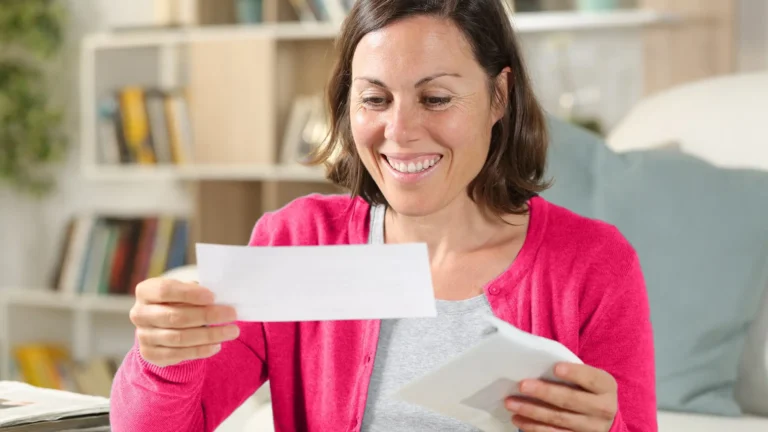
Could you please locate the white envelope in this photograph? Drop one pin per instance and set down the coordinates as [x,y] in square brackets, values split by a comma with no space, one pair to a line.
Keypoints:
[472,386]
[312,283]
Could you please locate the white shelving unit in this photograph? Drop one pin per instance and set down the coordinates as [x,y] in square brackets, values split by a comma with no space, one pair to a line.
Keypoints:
[524,22]
[165,45]
[206,172]
[87,325]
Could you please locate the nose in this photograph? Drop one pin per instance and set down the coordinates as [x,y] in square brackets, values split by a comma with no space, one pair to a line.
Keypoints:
[402,122]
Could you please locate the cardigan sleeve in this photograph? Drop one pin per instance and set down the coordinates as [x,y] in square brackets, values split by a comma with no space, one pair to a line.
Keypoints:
[618,338]
[195,395]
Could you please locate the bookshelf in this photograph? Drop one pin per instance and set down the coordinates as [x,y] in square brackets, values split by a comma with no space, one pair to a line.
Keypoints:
[239,124]
[524,22]
[90,328]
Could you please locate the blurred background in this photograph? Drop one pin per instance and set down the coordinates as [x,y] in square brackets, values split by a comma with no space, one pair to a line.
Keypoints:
[131,129]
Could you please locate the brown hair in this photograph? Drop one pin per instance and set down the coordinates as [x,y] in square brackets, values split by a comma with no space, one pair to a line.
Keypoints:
[514,170]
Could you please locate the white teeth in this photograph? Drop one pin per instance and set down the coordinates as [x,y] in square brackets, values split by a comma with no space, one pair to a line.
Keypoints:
[411,167]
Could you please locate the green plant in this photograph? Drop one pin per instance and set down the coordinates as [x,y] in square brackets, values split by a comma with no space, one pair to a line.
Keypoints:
[31,136]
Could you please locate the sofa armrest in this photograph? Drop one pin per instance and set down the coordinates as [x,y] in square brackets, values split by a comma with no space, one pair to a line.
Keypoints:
[261,420]
[751,389]
[684,422]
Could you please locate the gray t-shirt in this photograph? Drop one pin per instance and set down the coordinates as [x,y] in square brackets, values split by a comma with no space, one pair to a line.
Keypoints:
[409,348]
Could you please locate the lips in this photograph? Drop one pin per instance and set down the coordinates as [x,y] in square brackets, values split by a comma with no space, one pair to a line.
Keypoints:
[413,164]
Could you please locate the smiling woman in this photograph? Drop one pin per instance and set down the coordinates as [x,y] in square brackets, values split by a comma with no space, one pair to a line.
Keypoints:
[448,88]
[438,137]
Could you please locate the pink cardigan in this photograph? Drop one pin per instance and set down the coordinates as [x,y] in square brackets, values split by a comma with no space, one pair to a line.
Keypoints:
[576,280]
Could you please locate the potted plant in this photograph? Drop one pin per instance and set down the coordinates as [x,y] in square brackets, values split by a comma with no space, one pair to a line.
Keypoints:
[31,136]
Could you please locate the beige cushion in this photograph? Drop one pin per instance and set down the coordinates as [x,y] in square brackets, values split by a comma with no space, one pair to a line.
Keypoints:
[720,120]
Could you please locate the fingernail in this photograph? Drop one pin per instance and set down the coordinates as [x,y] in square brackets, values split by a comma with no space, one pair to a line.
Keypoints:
[232,332]
[207,297]
[231,315]
[561,370]
[216,348]
[225,315]
[513,405]
[527,386]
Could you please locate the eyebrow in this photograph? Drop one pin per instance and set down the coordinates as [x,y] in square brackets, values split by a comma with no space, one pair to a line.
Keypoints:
[421,82]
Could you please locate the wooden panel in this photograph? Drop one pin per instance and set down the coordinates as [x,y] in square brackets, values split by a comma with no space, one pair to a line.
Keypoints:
[225,212]
[317,59]
[702,46]
[277,194]
[287,63]
[304,68]
[231,89]
[213,12]
[278,10]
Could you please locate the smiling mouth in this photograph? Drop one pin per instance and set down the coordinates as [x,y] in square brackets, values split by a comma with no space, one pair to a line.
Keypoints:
[413,166]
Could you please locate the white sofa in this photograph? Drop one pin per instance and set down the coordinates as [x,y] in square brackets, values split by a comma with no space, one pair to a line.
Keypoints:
[725,122]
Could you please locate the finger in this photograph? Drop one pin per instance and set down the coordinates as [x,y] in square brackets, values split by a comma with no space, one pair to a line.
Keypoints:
[173,338]
[164,356]
[547,414]
[181,316]
[173,291]
[587,377]
[568,398]
[530,425]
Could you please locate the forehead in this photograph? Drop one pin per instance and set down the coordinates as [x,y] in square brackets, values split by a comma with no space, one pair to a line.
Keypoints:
[419,44]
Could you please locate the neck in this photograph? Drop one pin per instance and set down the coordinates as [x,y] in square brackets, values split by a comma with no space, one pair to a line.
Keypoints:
[460,227]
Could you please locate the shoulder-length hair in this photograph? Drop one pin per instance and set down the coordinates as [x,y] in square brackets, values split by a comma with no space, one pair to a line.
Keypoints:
[514,170]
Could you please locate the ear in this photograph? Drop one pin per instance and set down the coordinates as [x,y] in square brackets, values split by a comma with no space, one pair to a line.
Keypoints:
[501,99]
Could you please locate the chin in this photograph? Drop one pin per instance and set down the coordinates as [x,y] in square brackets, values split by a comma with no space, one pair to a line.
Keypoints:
[413,203]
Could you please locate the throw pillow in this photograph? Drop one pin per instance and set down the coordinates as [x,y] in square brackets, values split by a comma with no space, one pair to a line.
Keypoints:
[702,238]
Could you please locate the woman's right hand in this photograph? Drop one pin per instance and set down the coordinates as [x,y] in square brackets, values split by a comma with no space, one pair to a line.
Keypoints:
[177,321]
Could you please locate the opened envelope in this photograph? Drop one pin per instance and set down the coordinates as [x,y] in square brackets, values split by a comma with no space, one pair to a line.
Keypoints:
[472,386]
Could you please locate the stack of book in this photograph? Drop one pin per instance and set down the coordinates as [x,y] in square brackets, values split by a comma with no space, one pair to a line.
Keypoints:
[111,255]
[47,365]
[146,126]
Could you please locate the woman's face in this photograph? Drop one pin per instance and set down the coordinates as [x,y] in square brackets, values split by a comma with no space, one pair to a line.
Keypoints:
[421,113]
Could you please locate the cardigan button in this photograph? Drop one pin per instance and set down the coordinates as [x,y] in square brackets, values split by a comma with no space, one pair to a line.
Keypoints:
[494,290]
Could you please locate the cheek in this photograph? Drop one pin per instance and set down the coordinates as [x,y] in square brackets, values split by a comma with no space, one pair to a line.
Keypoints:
[367,130]
[462,131]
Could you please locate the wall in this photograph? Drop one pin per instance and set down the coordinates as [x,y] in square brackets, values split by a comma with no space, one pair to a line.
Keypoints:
[753,35]
[32,231]
[603,69]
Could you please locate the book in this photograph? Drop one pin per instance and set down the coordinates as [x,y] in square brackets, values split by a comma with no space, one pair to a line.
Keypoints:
[24,407]
[110,255]
[144,126]
[93,423]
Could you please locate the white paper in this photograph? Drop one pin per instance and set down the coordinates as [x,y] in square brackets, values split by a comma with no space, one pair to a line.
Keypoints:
[472,387]
[314,283]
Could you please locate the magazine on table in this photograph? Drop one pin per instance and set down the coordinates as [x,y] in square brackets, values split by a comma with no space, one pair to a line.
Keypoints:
[24,404]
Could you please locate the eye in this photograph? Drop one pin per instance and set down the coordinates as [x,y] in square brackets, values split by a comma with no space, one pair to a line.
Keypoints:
[436,101]
[375,102]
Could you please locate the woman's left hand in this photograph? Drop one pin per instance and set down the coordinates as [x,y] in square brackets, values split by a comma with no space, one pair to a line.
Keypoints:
[590,407]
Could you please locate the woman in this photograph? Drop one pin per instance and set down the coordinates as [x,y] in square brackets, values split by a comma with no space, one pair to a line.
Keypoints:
[442,142]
